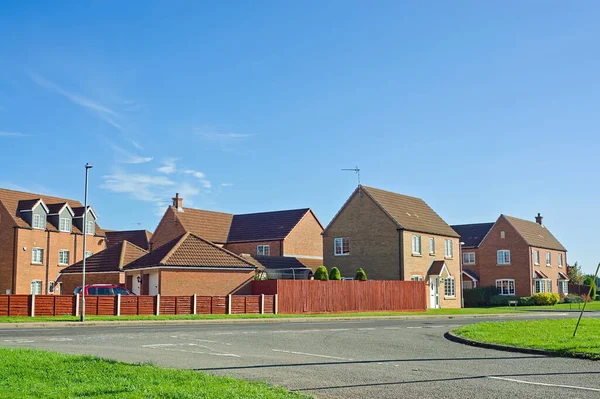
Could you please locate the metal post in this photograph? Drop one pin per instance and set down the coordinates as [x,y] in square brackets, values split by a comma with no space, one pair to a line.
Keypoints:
[32,305]
[262,303]
[87,168]
[229,304]
[462,288]
[118,304]
[195,303]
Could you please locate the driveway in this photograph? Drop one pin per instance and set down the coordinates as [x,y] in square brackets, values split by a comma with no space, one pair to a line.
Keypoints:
[342,359]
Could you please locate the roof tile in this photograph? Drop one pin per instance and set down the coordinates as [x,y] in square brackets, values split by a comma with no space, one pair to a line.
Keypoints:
[535,234]
[141,238]
[112,259]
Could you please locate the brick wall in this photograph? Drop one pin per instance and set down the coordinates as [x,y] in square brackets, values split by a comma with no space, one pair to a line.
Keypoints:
[205,282]
[73,280]
[552,270]
[519,268]
[305,239]
[373,240]
[250,247]
[168,229]
[6,250]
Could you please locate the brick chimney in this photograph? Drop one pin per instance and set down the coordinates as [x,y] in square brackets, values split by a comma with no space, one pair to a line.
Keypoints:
[538,219]
[178,202]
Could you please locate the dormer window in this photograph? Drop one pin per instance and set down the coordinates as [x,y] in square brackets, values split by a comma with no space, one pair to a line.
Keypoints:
[65,225]
[90,227]
[39,221]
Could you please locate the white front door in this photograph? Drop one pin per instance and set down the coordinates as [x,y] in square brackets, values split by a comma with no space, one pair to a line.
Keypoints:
[434,294]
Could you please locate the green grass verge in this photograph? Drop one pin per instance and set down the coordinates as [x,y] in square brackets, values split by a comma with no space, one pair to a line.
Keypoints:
[551,335]
[39,374]
[440,312]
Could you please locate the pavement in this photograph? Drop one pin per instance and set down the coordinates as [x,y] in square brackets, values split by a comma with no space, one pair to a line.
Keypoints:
[382,358]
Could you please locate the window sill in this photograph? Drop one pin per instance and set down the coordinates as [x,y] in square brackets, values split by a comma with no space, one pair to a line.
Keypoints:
[450,298]
[61,265]
[432,254]
[548,265]
[417,255]
[536,264]
[502,264]
[36,264]
[341,255]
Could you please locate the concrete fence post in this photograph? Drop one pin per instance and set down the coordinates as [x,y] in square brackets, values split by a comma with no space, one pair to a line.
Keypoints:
[33,305]
[118,304]
[275,302]
[194,304]
[77,305]
[157,312]
[229,304]
[262,303]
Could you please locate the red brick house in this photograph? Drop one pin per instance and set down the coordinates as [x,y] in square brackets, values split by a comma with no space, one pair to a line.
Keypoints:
[140,238]
[105,267]
[519,257]
[291,233]
[39,236]
[190,265]
[395,237]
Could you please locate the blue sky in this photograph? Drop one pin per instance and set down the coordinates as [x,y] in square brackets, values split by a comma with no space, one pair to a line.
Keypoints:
[479,108]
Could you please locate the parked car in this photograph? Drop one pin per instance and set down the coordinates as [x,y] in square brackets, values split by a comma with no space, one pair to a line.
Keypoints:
[103,289]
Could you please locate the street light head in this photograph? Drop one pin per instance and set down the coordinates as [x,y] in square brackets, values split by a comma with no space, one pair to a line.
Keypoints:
[88,166]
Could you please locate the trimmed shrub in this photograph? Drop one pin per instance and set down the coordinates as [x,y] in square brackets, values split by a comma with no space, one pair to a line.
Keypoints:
[479,296]
[501,300]
[334,274]
[321,273]
[572,298]
[526,301]
[360,275]
[545,298]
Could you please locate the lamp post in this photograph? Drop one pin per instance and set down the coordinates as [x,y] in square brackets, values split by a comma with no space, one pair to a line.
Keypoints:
[87,169]
[462,288]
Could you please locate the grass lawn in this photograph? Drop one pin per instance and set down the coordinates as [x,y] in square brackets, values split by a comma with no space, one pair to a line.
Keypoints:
[552,335]
[39,374]
[440,312]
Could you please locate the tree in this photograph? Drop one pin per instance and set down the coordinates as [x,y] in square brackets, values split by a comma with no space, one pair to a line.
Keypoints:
[575,273]
[589,280]
[334,274]
[360,275]
[321,273]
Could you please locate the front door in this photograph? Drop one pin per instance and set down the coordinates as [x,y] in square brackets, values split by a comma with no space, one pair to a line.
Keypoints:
[129,283]
[146,284]
[434,294]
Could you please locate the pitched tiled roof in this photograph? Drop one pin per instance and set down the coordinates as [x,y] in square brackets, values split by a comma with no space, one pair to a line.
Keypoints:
[536,235]
[264,226]
[112,259]
[14,201]
[539,274]
[436,268]
[471,273]
[563,276]
[472,234]
[190,250]
[311,263]
[55,208]
[280,262]
[410,213]
[141,238]
[212,226]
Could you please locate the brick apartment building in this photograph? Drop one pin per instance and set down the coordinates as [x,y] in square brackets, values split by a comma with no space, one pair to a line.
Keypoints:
[289,233]
[519,257]
[395,237]
[39,236]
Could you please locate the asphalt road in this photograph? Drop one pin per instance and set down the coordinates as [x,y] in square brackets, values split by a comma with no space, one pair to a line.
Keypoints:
[349,359]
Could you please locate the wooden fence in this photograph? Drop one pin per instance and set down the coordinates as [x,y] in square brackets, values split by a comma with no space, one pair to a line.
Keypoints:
[311,296]
[63,305]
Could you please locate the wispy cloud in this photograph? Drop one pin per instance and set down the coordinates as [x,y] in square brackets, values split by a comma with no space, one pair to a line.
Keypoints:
[200,176]
[225,136]
[138,186]
[13,134]
[136,144]
[100,110]
[128,157]
[168,166]
[226,184]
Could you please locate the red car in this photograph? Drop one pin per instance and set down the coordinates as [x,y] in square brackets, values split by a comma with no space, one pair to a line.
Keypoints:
[103,289]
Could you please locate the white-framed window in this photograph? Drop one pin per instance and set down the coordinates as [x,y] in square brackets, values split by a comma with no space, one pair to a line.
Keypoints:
[88,254]
[63,257]
[449,287]
[416,245]
[90,227]
[467,284]
[36,287]
[416,278]
[559,258]
[341,246]
[548,259]
[506,286]
[468,258]
[503,256]
[431,246]
[536,257]
[50,287]
[563,287]
[65,225]
[37,256]
[263,250]
[502,235]
[39,221]
[542,285]
[448,248]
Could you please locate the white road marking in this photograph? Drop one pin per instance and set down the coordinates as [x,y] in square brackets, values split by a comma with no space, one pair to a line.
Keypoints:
[366,329]
[12,331]
[60,339]
[19,341]
[546,385]
[415,327]
[158,345]
[340,329]
[206,340]
[310,354]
